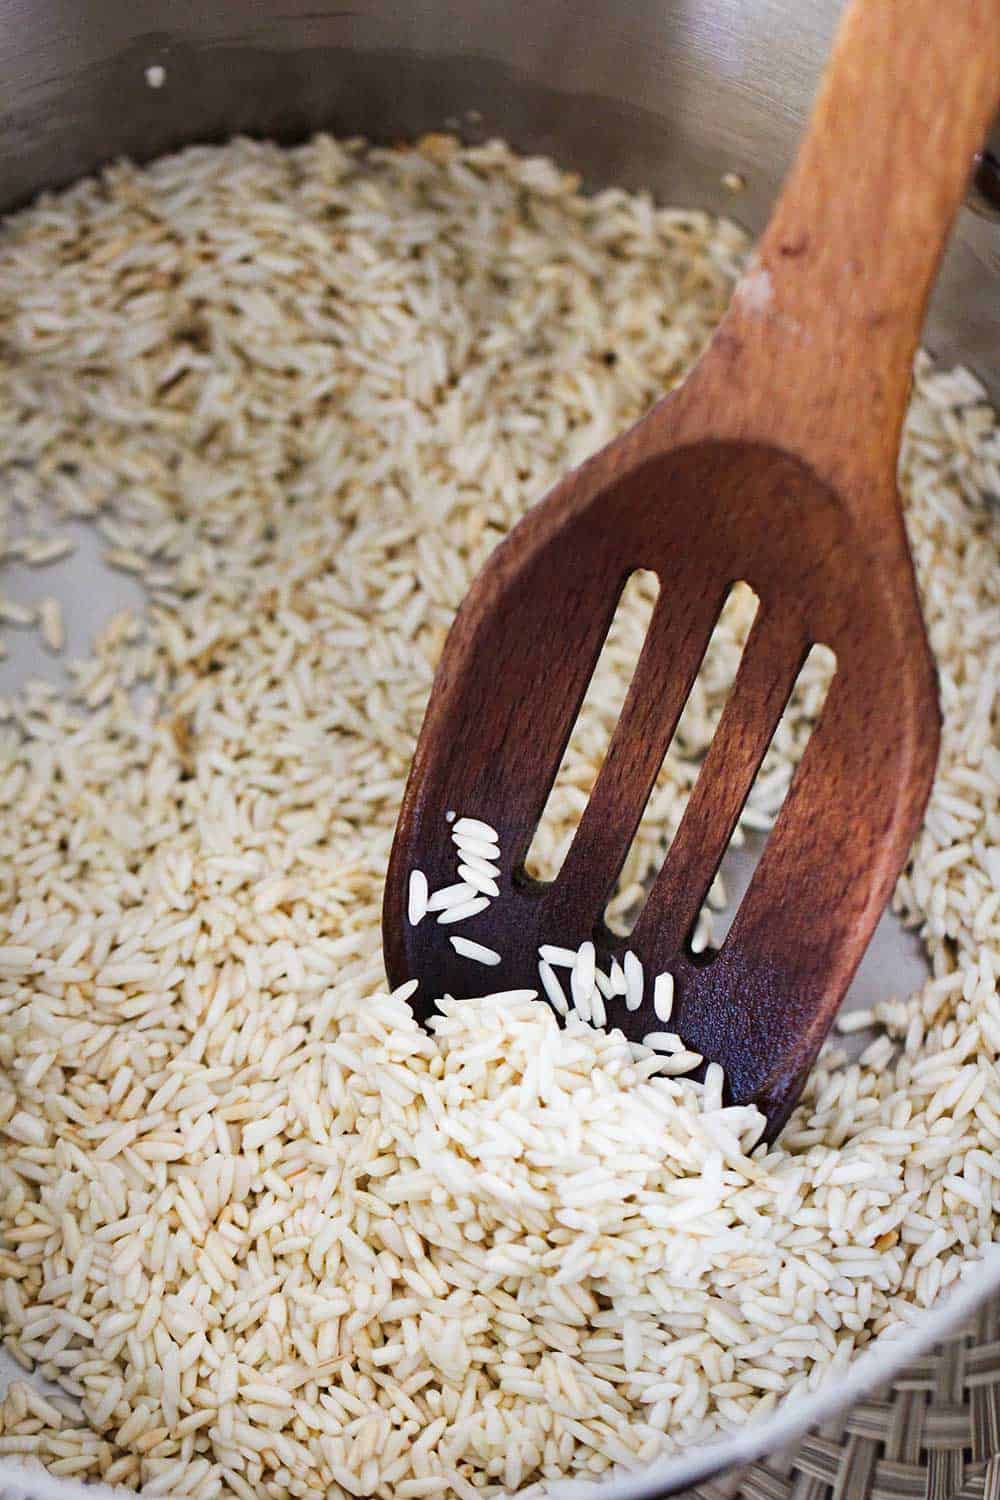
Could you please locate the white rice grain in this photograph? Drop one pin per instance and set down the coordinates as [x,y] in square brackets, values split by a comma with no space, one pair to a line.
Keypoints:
[634,982]
[663,996]
[244,1189]
[552,988]
[473,876]
[461,911]
[451,895]
[417,898]
[476,951]
[476,829]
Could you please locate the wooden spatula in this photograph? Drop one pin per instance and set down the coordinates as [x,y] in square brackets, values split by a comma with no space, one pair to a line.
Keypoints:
[774,463]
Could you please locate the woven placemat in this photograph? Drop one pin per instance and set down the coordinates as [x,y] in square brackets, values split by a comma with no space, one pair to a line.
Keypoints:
[933,1433]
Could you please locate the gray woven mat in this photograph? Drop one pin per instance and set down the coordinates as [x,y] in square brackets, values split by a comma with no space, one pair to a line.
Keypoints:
[932,1434]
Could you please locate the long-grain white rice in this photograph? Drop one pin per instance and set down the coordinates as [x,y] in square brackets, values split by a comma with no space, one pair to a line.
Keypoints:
[474,876]
[553,988]
[459,894]
[266,1234]
[417,897]
[634,980]
[476,951]
[461,911]
[663,996]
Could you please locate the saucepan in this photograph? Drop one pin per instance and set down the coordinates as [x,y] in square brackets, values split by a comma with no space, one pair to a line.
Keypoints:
[700,101]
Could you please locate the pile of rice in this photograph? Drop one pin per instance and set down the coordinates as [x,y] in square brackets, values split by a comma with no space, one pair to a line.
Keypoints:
[268,1236]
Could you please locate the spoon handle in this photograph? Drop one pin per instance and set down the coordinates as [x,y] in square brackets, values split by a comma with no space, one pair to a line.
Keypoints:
[824,325]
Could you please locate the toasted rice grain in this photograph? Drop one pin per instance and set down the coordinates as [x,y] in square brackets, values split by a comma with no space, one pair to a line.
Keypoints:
[51,621]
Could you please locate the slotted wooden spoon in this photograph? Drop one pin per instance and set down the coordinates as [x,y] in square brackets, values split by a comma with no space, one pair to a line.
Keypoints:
[774,463]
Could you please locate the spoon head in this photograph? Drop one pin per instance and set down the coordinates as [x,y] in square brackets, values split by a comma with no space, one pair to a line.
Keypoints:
[511,680]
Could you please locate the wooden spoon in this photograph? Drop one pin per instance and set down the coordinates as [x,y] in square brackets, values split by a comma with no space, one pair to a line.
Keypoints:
[774,463]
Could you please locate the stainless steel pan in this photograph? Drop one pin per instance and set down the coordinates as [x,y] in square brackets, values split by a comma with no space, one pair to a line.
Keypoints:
[675,95]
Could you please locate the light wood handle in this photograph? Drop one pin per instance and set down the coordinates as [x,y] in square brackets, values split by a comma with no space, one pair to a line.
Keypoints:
[823,328]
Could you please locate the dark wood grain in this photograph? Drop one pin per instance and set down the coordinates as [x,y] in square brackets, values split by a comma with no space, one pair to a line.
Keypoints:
[774,463]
